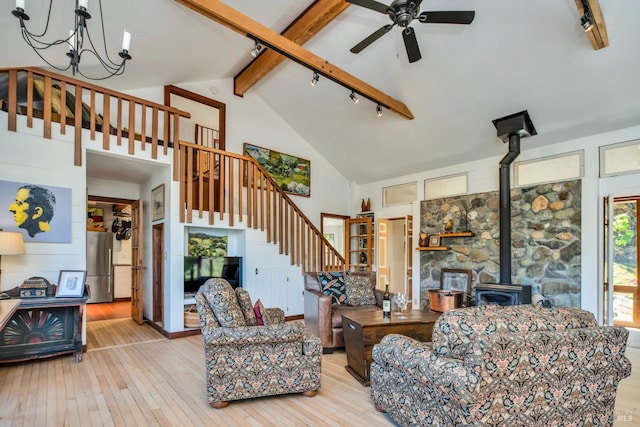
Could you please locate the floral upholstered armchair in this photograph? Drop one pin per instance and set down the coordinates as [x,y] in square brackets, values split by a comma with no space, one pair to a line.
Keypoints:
[245,359]
[510,366]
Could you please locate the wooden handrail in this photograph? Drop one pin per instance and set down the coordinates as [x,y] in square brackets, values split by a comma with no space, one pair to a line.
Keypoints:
[135,120]
[238,186]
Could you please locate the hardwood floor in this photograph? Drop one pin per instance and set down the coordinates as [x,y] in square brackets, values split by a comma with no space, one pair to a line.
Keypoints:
[155,381]
[108,310]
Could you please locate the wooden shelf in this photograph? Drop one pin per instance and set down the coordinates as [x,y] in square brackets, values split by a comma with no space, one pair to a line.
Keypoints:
[432,248]
[458,234]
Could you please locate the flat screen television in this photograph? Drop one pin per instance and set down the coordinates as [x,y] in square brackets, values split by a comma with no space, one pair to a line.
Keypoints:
[198,270]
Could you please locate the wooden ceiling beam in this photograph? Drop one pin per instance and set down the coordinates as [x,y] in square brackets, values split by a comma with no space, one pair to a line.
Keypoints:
[305,26]
[598,33]
[236,21]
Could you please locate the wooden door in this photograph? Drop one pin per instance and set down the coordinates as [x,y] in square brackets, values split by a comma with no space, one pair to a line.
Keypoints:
[384,269]
[158,273]
[136,261]
[408,240]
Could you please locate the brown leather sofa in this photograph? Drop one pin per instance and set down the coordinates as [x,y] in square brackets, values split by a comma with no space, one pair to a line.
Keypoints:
[324,319]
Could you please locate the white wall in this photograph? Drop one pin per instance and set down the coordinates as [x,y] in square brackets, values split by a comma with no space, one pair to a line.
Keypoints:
[484,176]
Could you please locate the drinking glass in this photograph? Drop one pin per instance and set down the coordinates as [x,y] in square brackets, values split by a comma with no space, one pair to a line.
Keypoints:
[401,302]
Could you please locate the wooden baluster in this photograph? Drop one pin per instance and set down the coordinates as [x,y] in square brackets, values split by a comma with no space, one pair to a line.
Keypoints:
[231,195]
[189,178]
[119,123]
[221,185]
[47,108]
[154,136]
[30,99]
[92,115]
[241,172]
[132,127]
[63,107]
[78,126]
[143,131]
[106,121]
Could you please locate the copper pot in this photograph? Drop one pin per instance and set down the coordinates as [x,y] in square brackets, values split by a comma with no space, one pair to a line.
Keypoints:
[443,300]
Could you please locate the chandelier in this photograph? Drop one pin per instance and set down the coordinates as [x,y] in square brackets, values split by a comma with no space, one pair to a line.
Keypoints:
[75,41]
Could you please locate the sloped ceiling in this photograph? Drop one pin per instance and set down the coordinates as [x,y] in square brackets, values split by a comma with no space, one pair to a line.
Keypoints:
[516,55]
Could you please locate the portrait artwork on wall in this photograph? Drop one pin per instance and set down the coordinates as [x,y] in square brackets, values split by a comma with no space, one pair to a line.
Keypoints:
[42,213]
[292,174]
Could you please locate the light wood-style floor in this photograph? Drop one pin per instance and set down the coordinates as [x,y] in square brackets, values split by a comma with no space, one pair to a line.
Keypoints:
[141,378]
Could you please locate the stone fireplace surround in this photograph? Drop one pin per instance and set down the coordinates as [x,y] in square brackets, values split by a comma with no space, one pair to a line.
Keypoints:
[545,247]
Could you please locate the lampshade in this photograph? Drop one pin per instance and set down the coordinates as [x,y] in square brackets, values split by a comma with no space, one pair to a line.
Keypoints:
[11,243]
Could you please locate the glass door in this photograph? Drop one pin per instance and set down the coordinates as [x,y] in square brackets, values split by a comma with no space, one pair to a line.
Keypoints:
[625,303]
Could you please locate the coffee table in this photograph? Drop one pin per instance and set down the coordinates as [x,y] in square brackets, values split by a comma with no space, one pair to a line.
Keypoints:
[362,330]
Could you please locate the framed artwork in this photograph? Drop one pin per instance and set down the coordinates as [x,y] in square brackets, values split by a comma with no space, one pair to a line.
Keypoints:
[71,283]
[157,203]
[292,174]
[42,213]
[95,217]
[456,280]
[434,240]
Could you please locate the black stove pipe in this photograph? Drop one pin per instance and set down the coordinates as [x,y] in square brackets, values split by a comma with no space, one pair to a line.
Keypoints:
[505,207]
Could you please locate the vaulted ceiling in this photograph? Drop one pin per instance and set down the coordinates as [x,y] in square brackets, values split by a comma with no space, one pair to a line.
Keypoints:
[516,55]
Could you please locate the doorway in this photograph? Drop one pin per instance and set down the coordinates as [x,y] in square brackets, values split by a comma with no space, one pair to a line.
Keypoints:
[395,255]
[625,301]
[118,224]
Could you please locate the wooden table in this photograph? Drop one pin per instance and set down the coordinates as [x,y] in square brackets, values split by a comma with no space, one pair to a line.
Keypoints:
[362,330]
[7,308]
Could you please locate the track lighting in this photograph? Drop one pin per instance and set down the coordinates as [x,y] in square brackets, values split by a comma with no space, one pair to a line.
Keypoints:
[378,110]
[586,22]
[315,78]
[353,97]
[587,18]
[255,50]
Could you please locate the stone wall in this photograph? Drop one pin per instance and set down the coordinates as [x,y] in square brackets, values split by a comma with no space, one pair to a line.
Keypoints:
[545,246]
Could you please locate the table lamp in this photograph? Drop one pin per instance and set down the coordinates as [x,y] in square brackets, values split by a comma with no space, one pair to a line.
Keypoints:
[10,244]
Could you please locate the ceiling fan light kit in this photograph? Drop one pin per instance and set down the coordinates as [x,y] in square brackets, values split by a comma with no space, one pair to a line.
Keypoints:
[403,13]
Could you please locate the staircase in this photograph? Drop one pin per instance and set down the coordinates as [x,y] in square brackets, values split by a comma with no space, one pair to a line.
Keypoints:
[212,181]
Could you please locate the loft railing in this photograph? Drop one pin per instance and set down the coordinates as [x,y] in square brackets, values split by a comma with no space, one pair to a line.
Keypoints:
[240,189]
[79,104]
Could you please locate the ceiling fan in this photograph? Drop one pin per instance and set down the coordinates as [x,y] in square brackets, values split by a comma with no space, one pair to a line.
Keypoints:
[402,13]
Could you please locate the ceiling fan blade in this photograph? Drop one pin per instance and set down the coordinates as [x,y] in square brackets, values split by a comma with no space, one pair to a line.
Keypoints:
[372,37]
[447,17]
[411,44]
[371,4]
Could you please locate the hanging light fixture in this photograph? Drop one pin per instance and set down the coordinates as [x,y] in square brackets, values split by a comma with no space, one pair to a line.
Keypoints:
[75,41]
[378,110]
[354,97]
[315,78]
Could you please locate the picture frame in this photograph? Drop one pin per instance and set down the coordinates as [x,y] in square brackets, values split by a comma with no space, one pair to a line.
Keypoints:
[434,241]
[71,283]
[454,279]
[157,203]
[292,174]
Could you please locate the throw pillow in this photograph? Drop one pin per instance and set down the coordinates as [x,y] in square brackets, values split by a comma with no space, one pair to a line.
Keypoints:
[224,303]
[258,309]
[359,291]
[332,283]
[244,300]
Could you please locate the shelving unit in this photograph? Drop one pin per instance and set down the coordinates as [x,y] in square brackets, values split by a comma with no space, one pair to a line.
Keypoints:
[359,250]
[445,236]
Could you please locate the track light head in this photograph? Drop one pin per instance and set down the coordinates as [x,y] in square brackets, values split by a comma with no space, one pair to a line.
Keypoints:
[255,50]
[354,97]
[586,22]
[315,78]
[378,110]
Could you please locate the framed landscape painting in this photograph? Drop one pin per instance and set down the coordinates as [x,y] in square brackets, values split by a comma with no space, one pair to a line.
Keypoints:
[292,174]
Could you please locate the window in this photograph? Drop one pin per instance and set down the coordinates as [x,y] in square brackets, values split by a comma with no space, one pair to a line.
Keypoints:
[398,194]
[618,159]
[446,186]
[549,169]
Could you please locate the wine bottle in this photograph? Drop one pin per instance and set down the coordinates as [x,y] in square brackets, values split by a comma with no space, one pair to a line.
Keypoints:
[386,302]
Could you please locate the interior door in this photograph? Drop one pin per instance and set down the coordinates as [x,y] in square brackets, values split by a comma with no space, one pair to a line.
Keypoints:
[408,229]
[136,261]
[384,269]
[623,300]
[158,272]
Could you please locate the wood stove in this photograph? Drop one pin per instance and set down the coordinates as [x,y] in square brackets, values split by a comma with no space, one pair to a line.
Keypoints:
[500,294]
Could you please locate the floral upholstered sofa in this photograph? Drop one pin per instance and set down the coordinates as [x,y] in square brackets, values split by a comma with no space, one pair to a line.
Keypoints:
[510,366]
[245,359]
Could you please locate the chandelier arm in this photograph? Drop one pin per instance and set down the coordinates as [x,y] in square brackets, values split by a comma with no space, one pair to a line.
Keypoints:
[46,27]
[104,37]
[108,67]
[95,51]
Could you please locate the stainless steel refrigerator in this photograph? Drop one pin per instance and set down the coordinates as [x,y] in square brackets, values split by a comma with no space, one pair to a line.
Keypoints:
[99,266]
